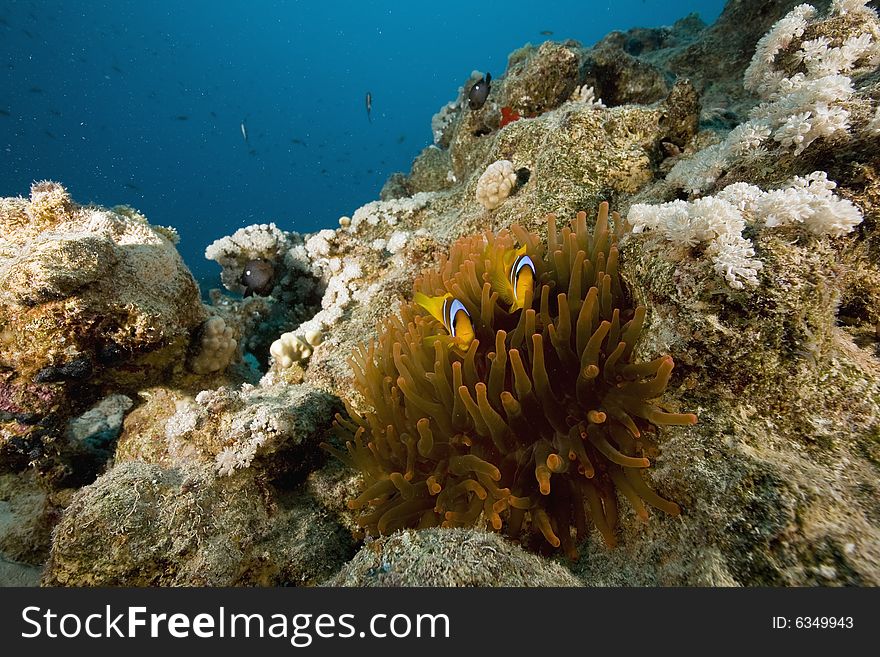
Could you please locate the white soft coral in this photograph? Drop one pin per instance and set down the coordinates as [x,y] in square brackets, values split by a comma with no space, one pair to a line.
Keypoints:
[801,104]
[809,201]
[720,220]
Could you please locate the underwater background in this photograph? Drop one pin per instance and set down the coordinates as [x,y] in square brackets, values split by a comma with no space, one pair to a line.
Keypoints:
[142,103]
[621,310]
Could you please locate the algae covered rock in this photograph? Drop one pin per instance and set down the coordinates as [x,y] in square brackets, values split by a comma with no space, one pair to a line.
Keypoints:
[271,429]
[540,79]
[619,77]
[206,491]
[430,172]
[92,301]
[143,525]
[778,482]
[449,557]
[28,512]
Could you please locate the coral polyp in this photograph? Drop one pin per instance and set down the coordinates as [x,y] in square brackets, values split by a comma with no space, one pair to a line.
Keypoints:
[539,422]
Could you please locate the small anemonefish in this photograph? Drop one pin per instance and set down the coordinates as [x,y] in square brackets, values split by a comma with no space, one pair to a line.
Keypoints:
[450,312]
[514,277]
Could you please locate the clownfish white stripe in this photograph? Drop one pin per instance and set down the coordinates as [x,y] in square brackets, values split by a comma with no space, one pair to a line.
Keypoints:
[451,308]
[518,264]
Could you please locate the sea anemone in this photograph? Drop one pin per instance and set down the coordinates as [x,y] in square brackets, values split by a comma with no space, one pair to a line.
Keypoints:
[535,421]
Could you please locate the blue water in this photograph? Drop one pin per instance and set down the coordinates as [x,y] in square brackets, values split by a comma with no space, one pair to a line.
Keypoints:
[141,103]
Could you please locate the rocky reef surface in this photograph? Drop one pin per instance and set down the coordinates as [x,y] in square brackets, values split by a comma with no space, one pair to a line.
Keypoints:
[147,438]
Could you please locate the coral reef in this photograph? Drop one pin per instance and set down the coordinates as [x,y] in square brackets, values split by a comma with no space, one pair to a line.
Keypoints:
[795,355]
[767,295]
[215,345]
[272,264]
[265,242]
[805,85]
[291,348]
[721,219]
[444,440]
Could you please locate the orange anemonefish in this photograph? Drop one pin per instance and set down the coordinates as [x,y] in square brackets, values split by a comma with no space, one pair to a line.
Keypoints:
[514,277]
[450,312]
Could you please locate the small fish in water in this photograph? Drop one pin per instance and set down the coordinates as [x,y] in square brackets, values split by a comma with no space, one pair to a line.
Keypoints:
[479,92]
[546,32]
[258,278]
[401,139]
[130,185]
[4,112]
[243,131]
[513,277]
[297,141]
[455,318]
[49,134]
[182,117]
[369,106]
[35,90]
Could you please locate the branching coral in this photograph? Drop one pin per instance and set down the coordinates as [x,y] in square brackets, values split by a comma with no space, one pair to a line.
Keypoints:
[532,424]
[291,348]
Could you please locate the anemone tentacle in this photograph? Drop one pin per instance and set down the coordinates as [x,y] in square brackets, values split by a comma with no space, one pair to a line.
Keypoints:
[538,422]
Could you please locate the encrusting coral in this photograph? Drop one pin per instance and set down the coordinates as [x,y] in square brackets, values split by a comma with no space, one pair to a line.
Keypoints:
[539,414]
